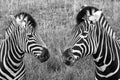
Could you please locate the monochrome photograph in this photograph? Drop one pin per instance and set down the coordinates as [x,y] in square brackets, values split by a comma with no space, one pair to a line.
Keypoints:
[59,39]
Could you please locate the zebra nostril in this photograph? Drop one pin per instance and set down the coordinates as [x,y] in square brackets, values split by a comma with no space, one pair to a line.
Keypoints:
[70,58]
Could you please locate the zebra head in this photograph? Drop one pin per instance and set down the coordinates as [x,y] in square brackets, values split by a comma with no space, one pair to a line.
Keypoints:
[78,42]
[27,38]
[83,40]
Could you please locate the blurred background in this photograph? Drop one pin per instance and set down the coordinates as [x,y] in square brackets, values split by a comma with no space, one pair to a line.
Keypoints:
[55,19]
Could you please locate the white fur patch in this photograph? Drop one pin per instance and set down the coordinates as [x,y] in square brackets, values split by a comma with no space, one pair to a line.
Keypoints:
[95,17]
[22,21]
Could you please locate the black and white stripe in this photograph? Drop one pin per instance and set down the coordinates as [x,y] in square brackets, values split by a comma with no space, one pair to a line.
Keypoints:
[96,39]
[19,39]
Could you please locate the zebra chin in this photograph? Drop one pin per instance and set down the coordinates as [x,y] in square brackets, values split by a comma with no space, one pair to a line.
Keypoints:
[44,56]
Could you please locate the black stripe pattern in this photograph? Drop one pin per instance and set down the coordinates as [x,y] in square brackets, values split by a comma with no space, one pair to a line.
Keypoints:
[96,39]
[20,38]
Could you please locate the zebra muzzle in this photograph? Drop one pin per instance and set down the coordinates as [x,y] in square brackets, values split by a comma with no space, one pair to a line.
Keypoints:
[44,56]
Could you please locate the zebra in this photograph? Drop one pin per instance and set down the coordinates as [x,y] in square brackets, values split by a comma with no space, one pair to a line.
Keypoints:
[20,38]
[95,38]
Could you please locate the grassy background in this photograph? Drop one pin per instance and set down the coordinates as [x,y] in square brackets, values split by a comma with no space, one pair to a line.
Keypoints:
[55,19]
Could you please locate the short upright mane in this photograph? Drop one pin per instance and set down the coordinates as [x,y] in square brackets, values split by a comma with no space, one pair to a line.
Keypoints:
[90,11]
[12,26]
[86,11]
[30,18]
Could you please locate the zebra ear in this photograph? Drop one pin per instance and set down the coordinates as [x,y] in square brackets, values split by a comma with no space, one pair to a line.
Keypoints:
[95,17]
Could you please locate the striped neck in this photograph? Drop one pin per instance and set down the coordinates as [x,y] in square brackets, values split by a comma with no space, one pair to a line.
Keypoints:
[11,29]
[104,23]
[14,33]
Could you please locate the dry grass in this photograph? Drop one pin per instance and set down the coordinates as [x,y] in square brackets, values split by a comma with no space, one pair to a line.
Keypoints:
[55,18]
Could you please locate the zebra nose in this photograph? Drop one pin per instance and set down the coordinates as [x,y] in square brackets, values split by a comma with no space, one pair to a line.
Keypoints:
[44,56]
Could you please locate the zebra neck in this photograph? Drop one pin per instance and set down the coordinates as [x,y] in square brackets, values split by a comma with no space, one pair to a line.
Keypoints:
[16,37]
[11,30]
[107,56]
[104,23]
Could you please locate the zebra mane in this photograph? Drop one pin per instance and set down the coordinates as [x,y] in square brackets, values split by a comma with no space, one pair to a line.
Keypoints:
[88,11]
[109,30]
[99,17]
[29,17]
[11,27]
[85,12]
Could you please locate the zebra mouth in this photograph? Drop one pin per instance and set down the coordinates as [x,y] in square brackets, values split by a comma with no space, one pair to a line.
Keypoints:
[68,63]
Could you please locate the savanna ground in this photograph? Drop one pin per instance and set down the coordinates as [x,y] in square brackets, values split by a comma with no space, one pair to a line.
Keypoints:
[55,19]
